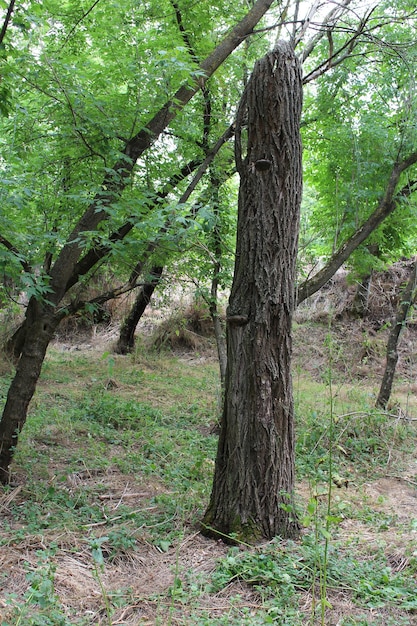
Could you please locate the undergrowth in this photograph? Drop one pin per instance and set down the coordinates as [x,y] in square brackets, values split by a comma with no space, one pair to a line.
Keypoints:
[117,456]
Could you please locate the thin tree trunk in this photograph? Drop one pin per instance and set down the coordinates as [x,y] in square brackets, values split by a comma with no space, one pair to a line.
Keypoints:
[218,328]
[407,300]
[252,493]
[126,341]
[219,331]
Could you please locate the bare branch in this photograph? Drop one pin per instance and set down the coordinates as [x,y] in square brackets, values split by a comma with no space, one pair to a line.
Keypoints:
[335,58]
[305,23]
[330,19]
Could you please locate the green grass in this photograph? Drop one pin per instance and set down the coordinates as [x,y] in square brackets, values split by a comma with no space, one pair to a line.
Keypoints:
[89,445]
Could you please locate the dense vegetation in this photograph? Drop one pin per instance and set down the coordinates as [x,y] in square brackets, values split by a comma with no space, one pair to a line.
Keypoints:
[118,176]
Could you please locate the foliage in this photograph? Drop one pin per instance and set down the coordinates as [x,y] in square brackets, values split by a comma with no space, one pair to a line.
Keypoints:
[353,136]
[41,605]
[280,570]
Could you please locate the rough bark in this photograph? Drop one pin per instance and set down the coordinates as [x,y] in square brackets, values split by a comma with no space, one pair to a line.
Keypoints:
[407,300]
[254,471]
[39,330]
[126,341]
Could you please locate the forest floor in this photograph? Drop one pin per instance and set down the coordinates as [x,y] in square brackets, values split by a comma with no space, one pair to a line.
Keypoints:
[113,473]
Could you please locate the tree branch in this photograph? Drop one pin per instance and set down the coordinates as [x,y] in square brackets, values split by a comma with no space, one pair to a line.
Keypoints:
[95,255]
[335,58]
[117,178]
[7,244]
[385,207]
[7,21]
[79,22]
[330,17]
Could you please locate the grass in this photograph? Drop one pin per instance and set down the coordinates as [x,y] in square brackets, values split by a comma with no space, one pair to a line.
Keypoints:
[114,469]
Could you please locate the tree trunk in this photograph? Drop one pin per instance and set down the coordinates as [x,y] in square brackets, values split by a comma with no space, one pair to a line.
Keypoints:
[252,493]
[126,341]
[407,300]
[41,325]
[219,336]
[217,250]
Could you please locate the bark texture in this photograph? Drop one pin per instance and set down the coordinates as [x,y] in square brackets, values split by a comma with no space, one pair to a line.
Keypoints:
[254,472]
[407,300]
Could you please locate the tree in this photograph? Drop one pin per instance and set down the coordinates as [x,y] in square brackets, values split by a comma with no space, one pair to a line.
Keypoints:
[97,127]
[407,300]
[126,340]
[252,492]
[391,198]
[44,310]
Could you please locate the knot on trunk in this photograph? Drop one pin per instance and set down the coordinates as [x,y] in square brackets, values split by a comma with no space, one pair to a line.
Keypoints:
[237,320]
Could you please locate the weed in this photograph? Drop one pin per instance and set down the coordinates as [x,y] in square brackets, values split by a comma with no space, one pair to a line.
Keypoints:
[41,605]
[281,570]
[119,413]
[95,544]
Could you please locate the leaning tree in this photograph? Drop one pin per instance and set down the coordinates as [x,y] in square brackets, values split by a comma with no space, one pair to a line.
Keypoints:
[254,472]
[79,252]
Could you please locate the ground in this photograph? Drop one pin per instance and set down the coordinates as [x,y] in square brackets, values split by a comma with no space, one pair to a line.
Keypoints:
[113,473]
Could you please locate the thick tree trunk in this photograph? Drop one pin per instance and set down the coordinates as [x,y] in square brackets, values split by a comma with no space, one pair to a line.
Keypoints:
[407,300]
[126,341]
[252,494]
[41,325]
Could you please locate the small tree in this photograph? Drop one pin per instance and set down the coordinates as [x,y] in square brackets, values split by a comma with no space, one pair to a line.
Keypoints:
[254,472]
[407,300]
